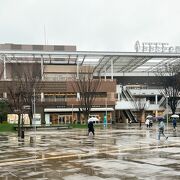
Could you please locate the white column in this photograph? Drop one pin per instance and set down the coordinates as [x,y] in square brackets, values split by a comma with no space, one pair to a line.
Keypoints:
[77,71]
[156,102]
[42,70]
[118,91]
[4,68]
[156,99]
[105,73]
[112,69]
[42,97]
[5,95]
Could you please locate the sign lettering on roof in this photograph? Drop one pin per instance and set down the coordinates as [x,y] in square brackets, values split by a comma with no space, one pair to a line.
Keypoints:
[156,47]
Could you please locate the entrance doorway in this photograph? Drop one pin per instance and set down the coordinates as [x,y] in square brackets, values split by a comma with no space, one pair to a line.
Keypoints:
[65,119]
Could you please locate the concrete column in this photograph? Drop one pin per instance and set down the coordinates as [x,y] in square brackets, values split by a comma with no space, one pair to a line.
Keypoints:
[112,73]
[42,97]
[118,91]
[156,99]
[42,68]
[156,102]
[4,68]
[4,94]
[77,71]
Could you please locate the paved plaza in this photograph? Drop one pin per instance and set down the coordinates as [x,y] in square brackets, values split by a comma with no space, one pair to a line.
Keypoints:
[126,152]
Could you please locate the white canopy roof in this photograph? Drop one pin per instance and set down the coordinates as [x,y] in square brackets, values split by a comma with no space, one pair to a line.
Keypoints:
[118,63]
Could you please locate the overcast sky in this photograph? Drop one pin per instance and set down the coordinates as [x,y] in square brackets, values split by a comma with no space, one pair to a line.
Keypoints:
[101,25]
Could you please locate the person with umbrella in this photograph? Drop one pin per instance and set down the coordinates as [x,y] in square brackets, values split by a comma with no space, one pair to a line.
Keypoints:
[91,125]
[174,123]
[150,120]
[161,128]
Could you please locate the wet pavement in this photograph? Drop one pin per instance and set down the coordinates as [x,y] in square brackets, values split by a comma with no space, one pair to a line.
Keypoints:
[126,153]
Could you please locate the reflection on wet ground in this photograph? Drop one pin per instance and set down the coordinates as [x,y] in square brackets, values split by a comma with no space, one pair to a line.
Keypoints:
[124,153]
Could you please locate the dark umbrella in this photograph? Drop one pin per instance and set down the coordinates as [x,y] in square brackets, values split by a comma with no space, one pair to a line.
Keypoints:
[160,118]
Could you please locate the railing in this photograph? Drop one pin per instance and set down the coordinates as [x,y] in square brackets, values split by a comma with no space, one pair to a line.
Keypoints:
[128,96]
[162,100]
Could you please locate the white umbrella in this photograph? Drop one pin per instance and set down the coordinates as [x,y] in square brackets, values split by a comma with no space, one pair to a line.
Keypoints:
[149,116]
[93,119]
[175,116]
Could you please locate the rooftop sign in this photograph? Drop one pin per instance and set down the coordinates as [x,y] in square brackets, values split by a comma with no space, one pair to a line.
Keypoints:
[156,47]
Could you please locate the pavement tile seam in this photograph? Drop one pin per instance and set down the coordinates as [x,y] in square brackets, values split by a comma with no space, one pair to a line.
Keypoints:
[118,147]
[82,154]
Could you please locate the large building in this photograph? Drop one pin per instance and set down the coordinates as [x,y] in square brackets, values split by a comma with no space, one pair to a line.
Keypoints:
[56,100]
[129,88]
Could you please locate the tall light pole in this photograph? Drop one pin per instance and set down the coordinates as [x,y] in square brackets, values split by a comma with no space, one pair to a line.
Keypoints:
[106,112]
[105,115]
[34,104]
[72,113]
[34,110]
[167,110]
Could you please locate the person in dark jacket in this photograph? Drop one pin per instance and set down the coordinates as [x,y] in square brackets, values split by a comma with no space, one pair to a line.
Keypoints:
[91,127]
[174,123]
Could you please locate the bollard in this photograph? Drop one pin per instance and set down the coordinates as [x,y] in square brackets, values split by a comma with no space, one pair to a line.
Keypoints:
[22,134]
[31,139]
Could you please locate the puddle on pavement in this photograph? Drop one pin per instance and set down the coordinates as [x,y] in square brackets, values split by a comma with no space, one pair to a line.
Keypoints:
[107,155]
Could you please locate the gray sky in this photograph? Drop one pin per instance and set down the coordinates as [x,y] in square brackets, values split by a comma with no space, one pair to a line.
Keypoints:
[107,25]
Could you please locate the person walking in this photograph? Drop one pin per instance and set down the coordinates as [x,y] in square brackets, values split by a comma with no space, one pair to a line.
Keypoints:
[90,127]
[147,123]
[150,122]
[161,128]
[174,123]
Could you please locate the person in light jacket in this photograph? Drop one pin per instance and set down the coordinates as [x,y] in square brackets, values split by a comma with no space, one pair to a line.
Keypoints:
[161,128]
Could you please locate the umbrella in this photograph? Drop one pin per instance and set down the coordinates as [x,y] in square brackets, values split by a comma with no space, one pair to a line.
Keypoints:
[160,118]
[93,119]
[149,116]
[175,116]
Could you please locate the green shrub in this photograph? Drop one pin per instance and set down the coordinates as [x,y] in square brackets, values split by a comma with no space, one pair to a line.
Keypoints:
[5,122]
[6,127]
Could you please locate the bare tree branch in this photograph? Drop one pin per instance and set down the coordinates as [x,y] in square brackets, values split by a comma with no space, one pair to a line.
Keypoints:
[87,87]
[25,78]
[169,76]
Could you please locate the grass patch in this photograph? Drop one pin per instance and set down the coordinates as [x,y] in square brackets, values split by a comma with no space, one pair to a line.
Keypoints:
[6,127]
[81,126]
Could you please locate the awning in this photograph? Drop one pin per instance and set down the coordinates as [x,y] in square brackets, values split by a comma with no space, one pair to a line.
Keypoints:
[103,62]
[75,109]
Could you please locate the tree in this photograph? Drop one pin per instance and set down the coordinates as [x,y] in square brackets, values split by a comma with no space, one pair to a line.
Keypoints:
[140,105]
[25,78]
[86,86]
[4,109]
[15,101]
[1,68]
[169,76]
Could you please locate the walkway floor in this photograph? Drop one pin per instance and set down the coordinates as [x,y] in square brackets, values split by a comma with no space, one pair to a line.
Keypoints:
[127,153]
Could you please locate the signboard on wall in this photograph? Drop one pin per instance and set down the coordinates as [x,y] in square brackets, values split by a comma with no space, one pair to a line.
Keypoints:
[156,47]
[36,119]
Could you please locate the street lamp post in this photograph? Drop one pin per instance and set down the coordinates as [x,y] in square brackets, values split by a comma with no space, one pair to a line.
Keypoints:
[34,111]
[167,110]
[72,113]
[105,115]
[106,112]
